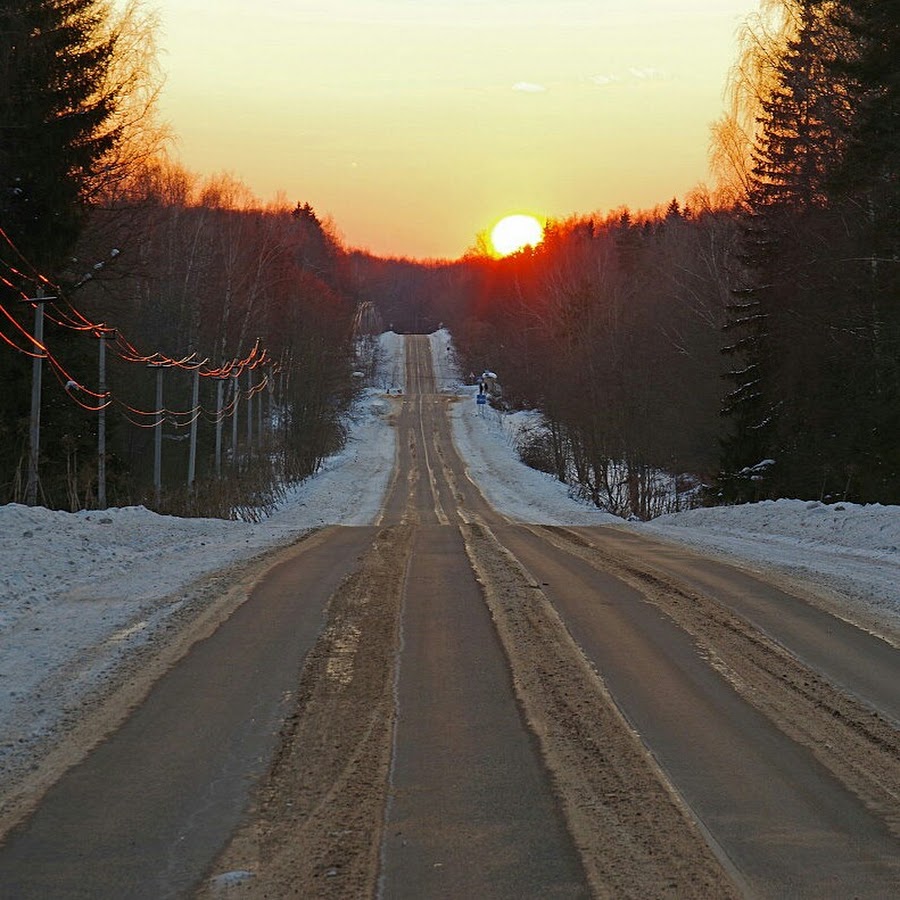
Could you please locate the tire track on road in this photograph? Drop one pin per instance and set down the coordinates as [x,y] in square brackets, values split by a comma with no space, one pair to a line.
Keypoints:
[316,828]
[855,743]
[635,835]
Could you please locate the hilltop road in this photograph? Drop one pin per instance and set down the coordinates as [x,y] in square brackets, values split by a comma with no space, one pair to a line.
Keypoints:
[450,704]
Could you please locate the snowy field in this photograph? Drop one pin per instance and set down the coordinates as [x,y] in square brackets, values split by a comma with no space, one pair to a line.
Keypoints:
[79,592]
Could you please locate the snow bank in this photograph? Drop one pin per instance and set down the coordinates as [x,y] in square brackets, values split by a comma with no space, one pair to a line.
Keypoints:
[486,440]
[443,358]
[849,549]
[872,531]
[391,374]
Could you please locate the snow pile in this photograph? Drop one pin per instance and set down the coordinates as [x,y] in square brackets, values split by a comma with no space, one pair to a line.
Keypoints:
[872,530]
[391,373]
[850,549]
[443,358]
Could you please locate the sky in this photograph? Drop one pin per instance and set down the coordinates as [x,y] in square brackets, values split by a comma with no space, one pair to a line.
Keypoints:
[416,124]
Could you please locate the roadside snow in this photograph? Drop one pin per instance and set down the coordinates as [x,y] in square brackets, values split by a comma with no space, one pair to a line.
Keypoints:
[78,592]
[852,551]
[486,440]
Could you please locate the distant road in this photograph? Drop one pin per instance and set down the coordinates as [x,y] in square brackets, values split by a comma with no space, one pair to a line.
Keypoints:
[451,704]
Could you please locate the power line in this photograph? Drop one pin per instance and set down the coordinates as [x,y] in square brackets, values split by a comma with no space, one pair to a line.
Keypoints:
[126,351]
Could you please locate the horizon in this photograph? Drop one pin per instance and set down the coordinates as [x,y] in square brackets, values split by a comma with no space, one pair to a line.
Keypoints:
[415,127]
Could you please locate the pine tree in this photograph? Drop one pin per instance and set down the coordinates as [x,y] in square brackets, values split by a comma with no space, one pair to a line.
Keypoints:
[804,121]
[55,114]
[873,157]
[57,105]
[778,327]
[816,326]
[867,188]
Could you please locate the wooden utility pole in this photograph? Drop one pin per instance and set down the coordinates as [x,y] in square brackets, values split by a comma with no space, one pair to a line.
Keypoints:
[101,423]
[34,430]
[249,413]
[260,416]
[235,399]
[157,443]
[220,395]
[195,402]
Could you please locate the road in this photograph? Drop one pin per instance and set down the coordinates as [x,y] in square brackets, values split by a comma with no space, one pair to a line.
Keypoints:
[451,704]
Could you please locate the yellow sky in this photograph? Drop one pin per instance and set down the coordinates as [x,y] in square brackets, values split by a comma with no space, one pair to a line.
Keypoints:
[416,124]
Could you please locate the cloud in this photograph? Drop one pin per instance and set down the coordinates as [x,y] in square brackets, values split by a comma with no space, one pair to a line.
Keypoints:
[528,87]
[633,75]
[648,74]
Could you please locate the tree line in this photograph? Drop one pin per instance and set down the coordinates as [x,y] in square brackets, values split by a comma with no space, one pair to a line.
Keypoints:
[177,273]
[611,327]
[745,345]
[814,326]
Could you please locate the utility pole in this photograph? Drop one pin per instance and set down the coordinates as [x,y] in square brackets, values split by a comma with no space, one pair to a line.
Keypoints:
[260,417]
[280,402]
[157,443]
[220,393]
[249,413]
[34,431]
[235,400]
[285,389]
[101,422]
[195,402]
[271,427]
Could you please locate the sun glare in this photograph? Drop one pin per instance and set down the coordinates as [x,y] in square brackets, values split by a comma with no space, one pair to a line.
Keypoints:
[515,232]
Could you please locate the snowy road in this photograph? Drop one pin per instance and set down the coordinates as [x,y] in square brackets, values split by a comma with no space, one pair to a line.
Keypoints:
[527,597]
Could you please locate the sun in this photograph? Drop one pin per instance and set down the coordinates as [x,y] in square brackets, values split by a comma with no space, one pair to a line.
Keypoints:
[515,232]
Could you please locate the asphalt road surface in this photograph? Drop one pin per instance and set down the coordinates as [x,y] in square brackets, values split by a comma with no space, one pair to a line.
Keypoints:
[449,704]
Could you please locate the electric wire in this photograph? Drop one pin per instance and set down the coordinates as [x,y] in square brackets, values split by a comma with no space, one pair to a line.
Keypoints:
[73,319]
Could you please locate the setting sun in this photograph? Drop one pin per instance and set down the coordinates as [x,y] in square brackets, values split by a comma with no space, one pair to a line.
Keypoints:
[515,232]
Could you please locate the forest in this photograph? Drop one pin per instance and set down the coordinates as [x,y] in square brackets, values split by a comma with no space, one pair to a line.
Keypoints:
[742,345]
[198,346]
[739,344]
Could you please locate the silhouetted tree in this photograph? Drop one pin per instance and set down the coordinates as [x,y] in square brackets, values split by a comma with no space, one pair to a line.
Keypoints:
[66,74]
[815,380]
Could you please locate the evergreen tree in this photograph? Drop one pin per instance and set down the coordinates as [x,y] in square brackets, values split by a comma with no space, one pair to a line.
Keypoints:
[867,189]
[57,106]
[779,322]
[873,158]
[55,113]
[804,121]
[816,330]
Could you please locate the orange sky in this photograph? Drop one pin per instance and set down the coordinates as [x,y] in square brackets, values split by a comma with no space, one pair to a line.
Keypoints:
[416,124]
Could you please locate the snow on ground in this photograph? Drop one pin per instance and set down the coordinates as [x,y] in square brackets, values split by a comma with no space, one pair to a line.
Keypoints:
[849,550]
[79,591]
[486,440]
